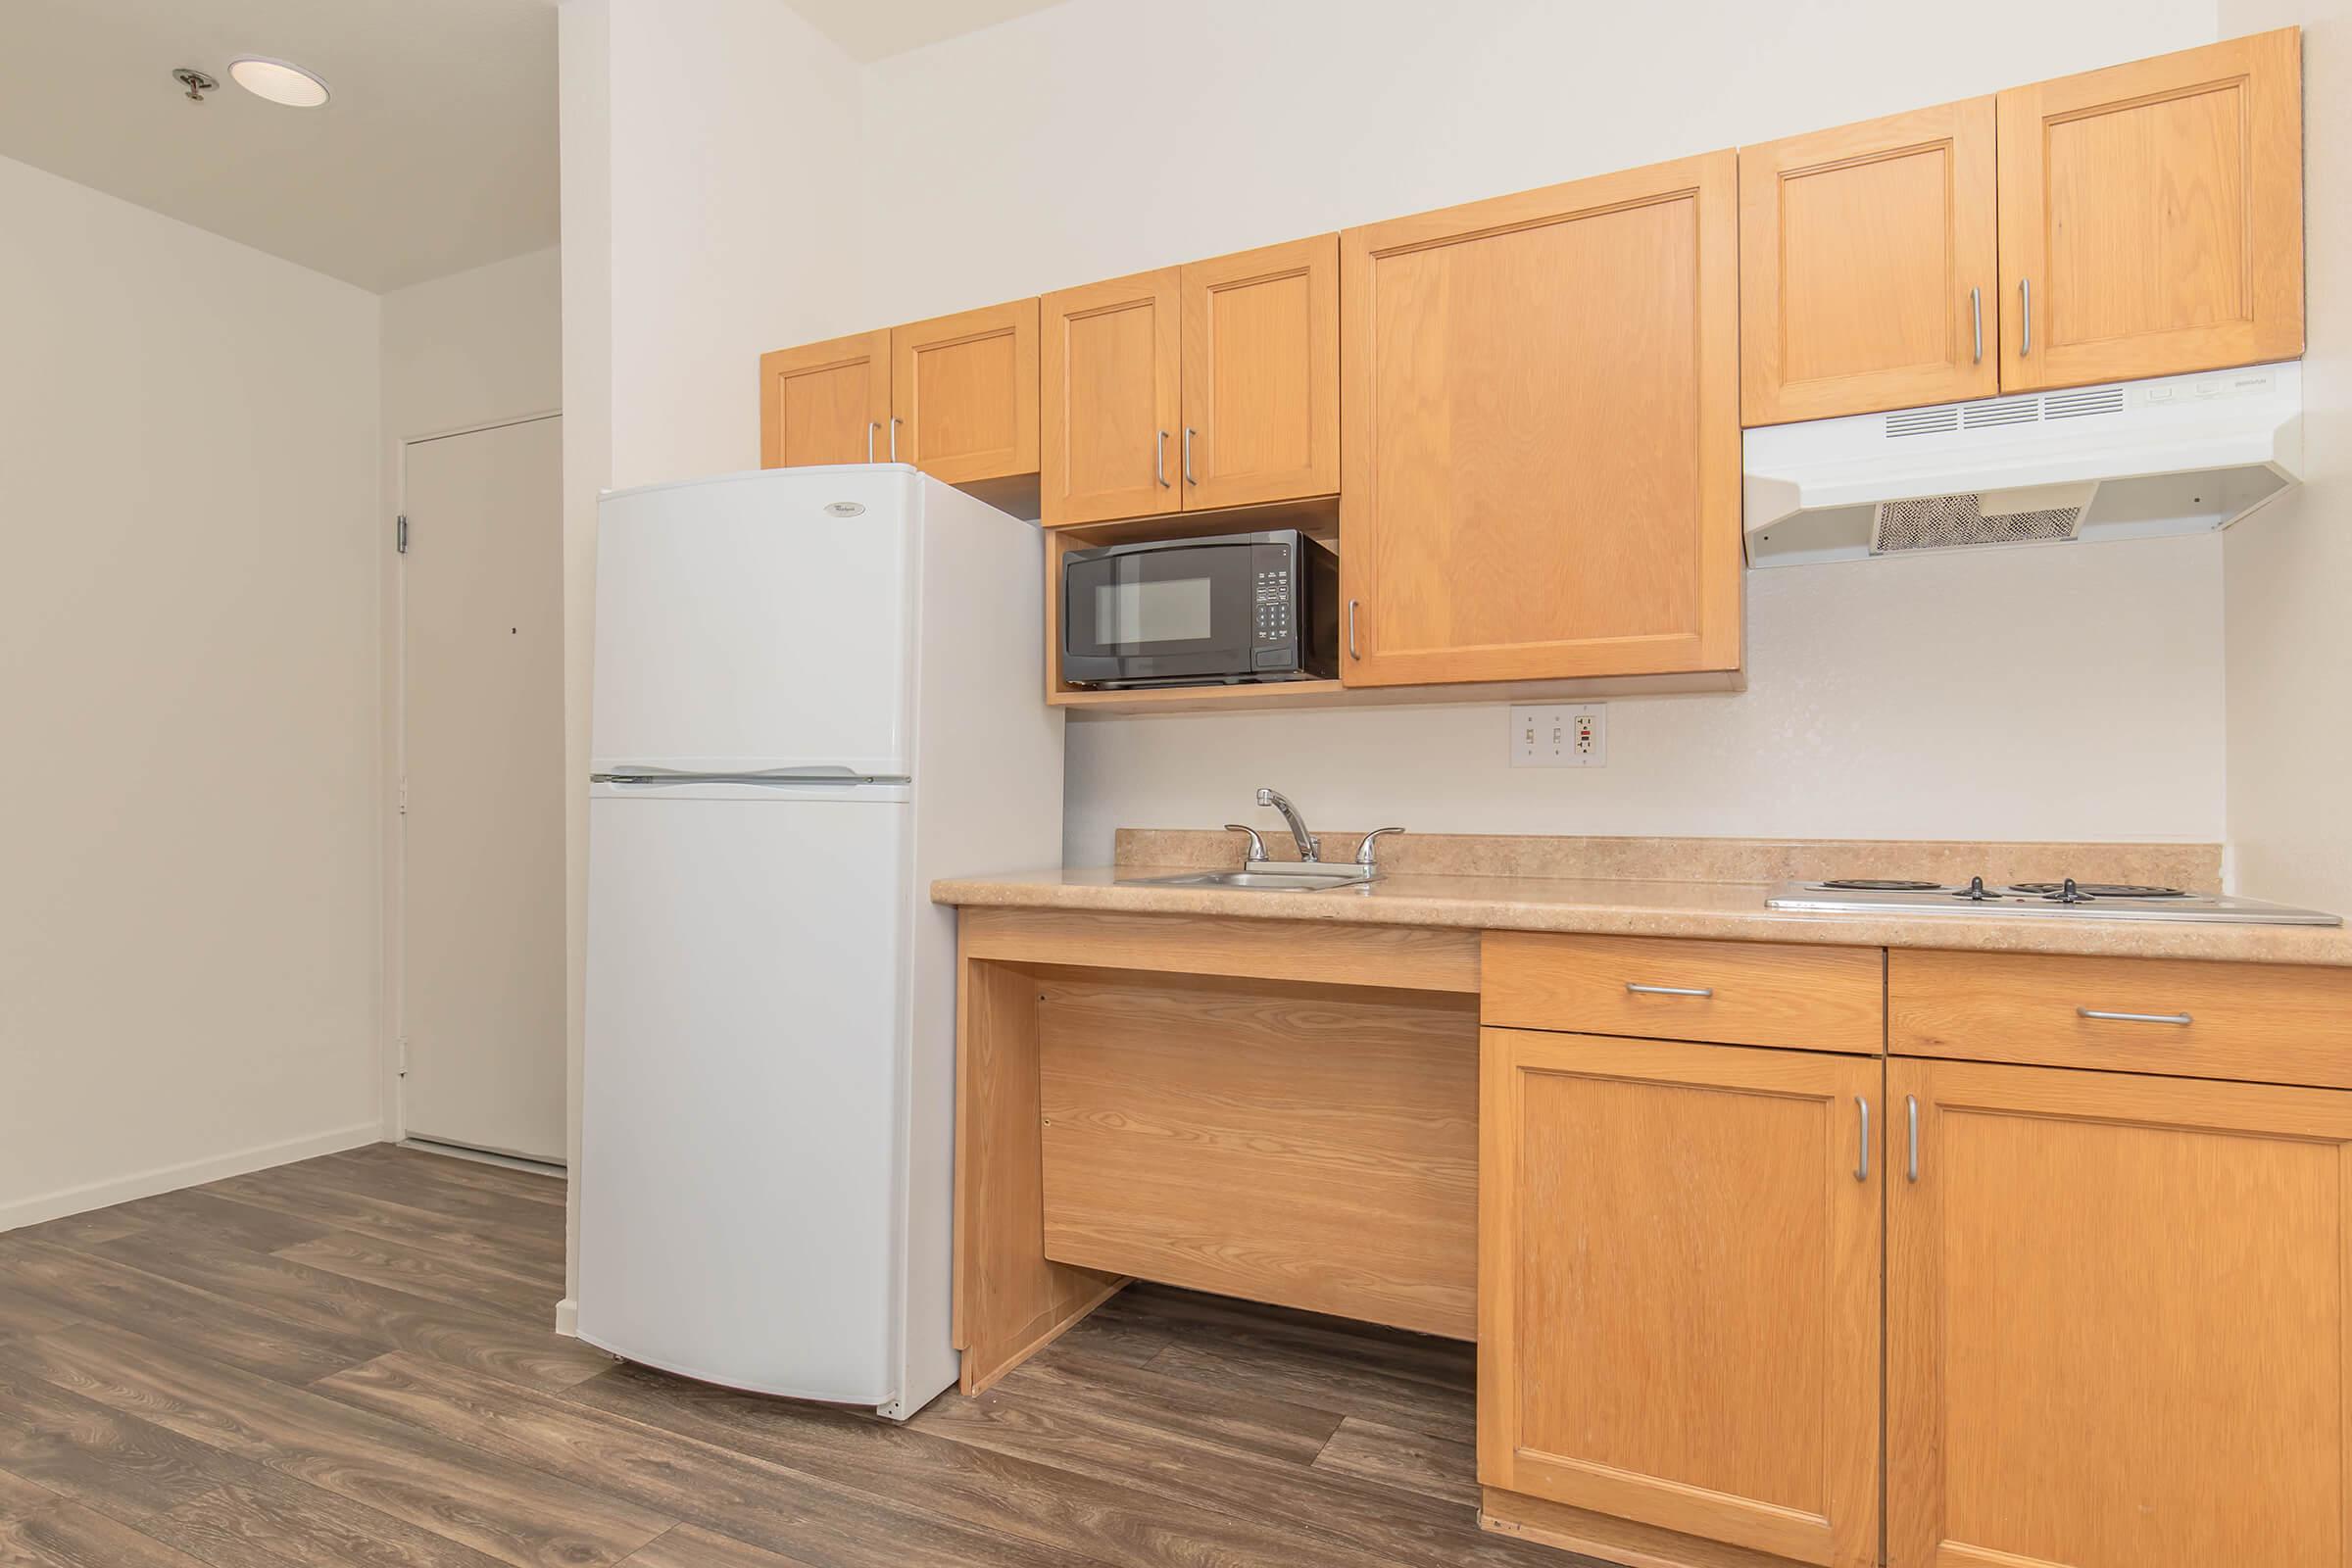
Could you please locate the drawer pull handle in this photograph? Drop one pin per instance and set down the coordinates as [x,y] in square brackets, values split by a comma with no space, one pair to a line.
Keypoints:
[1862,1170]
[1639,990]
[2179,1020]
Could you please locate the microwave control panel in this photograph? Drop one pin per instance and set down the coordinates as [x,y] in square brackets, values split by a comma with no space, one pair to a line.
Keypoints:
[1275,595]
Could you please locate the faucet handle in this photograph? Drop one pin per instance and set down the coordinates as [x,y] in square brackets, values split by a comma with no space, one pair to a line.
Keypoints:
[1257,846]
[1363,850]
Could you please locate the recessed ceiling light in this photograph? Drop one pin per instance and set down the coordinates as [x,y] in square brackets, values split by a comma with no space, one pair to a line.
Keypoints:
[277,81]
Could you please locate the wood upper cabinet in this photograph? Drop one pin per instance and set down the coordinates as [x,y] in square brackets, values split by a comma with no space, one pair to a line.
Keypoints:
[1262,375]
[1192,389]
[1679,1299]
[2152,215]
[963,393]
[1109,398]
[2117,1321]
[1869,273]
[1541,433]
[825,402]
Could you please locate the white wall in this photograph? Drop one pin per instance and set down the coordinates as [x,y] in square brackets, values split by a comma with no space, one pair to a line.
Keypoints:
[190,670]
[735,172]
[1987,697]
[2289,568]
[1971,696]
[1103,136]
[476,348]
[584,75]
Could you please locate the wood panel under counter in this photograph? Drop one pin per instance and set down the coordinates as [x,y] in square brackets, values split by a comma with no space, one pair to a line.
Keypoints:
[1283,1112]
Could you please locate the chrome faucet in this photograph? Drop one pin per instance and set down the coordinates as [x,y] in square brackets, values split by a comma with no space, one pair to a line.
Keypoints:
[1310,848]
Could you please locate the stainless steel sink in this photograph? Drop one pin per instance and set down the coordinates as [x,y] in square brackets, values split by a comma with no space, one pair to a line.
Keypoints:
[1256,881]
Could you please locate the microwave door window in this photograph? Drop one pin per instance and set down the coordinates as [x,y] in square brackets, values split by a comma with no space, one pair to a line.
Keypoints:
[1136,614]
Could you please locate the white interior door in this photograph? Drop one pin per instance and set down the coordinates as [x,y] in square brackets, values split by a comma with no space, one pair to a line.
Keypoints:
[482,829]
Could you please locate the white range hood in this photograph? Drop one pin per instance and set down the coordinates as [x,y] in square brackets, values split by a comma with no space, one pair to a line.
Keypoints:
[2181,454]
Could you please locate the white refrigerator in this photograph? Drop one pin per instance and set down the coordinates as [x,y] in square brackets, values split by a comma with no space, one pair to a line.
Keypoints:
[816,690]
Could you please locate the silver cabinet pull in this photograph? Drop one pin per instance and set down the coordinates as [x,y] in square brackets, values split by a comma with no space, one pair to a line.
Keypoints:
[2181,1020]
[1862,1169]
[1975,320]
[1159,461]
[872,425]
[894,438]
[1639,990]
[1188,456]
[2024,305]
[1352,653]
[1911,1103]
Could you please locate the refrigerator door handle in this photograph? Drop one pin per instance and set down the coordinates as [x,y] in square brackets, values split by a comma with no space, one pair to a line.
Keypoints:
[775,780]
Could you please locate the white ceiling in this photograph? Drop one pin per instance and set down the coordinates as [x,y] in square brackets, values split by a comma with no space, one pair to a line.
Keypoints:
[436,153]
[871,29]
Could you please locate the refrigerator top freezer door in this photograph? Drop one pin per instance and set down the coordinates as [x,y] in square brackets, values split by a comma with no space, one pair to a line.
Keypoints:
[758,624]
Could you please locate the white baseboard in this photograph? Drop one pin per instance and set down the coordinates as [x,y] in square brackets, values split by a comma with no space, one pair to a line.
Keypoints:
[191,1173]
[567,1318]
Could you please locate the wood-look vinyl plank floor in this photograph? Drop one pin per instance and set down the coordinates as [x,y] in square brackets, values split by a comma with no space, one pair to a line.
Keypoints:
[349,1360]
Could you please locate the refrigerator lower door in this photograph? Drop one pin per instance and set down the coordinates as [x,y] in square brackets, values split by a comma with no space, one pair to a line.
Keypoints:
[741,1218]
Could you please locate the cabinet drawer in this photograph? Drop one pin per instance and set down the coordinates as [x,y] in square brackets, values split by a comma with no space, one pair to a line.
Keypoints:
[2261,1023]
[1664,988]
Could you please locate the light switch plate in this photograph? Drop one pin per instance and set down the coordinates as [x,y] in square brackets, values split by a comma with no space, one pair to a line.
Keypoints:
[1560,735]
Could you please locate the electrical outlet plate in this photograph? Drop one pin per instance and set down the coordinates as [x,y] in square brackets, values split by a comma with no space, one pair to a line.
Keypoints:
[1560,735]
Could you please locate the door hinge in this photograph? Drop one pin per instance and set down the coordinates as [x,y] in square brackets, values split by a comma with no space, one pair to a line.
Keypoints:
[400,534]
[404,797]
[403,1055]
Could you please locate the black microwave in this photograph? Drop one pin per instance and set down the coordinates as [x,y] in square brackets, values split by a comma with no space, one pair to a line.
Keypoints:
[1238,607]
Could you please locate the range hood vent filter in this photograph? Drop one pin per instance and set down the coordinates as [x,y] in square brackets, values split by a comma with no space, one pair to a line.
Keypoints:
[1953,523]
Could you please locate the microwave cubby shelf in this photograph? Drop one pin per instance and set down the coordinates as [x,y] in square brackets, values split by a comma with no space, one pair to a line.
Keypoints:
[1249,699]
[1318,516]
[1274,695]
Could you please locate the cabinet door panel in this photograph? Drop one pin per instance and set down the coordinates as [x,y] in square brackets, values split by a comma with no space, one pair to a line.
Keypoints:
[1261,374]
[2117,1321]
[1678,1288]
[1541,447]
[1858,251]
[963,393]
[2154,212]
[1112,370]
[824,402]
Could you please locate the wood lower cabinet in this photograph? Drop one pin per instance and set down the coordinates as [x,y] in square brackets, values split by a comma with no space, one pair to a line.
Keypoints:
[1541,433]
[1868,277]
[1110,396]
[1679,1291]
[825,402]
[2118,1322]
[1262,375]
[963,395]
[2152,215]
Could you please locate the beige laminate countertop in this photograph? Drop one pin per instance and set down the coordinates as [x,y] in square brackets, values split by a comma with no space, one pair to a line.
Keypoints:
[1722,910]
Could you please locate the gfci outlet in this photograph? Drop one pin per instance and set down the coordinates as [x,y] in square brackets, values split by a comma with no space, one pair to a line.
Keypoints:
[1560,736]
